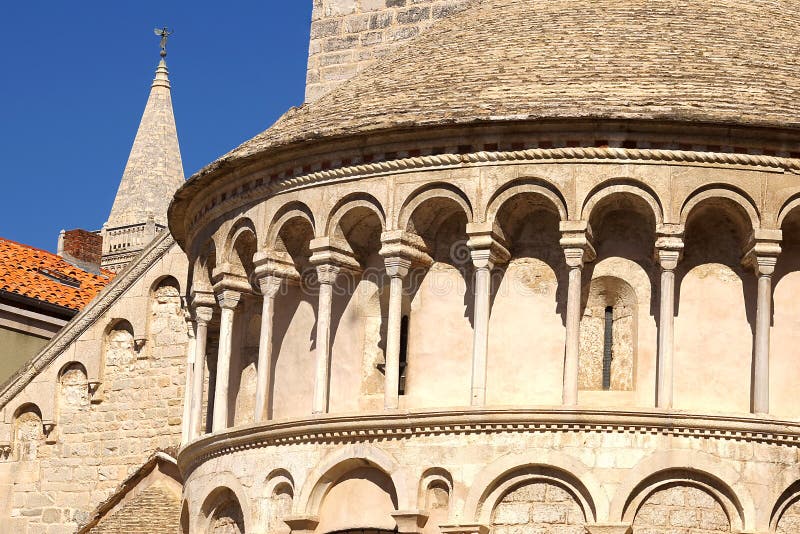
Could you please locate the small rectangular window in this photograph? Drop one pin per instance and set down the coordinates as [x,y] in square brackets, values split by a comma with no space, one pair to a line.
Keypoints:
[608,347]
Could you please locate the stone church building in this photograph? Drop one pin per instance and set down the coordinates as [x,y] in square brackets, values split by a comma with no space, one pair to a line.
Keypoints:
[514,267]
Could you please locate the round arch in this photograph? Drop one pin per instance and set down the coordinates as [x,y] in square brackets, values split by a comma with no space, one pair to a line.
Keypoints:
[529,186]
[615,188]
[721,192]
[696,468]
[338,463]
[285,214]
[222,482]
[788,207]
[202,266]
[543,464]
[350,202]
[429,192]
[784,492]
[241,227]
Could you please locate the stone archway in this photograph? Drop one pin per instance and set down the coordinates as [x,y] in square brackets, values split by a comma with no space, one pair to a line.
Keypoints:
[682,508]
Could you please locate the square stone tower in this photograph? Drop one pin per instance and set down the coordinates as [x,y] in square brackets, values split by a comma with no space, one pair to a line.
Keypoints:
[348,35]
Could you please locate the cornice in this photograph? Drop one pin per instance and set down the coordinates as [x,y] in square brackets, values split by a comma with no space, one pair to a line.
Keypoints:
[407,425]
[83,320]
[258,185]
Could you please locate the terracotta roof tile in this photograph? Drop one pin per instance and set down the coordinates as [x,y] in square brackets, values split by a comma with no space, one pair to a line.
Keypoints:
[41,275]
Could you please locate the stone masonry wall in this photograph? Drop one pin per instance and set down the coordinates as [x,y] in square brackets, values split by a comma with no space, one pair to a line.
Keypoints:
[538,507]
[348,35]
[101,438]
[681,510]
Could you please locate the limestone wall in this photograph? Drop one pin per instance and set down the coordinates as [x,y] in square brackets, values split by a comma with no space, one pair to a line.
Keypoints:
[137,352]
[349,35]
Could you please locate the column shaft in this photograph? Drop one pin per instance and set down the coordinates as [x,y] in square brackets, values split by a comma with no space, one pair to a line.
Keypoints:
[269,287]
[392,370]
[572,349]
[665,339]
[191,354]
[198,378]
[220,419]
[480,345]
[761,362]
[323,363]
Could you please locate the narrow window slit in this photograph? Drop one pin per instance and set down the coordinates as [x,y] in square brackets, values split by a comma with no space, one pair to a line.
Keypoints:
[608,340]
[403,354]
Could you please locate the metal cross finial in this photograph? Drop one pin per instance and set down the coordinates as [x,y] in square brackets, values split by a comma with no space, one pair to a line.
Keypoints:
[164,33]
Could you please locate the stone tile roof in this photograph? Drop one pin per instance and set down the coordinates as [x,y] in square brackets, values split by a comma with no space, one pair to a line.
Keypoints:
[717,61]
[44,276]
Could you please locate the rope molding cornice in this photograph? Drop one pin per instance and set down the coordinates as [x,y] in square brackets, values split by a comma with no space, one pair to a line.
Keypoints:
[87,317]
[443,161]
[370,427]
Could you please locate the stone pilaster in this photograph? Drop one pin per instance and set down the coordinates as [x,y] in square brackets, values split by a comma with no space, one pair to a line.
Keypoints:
[578,249]
[761,256]
[487,249]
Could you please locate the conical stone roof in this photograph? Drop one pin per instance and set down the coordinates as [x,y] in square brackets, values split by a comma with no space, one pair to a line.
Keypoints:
[154,170]
[715,61]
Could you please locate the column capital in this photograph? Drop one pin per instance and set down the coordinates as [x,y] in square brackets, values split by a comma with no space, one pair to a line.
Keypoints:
[400,244]
[327,273]
[464,529]
[397,266]
[202,297]
[762,251]
[333,251]
[274,263]
[669,250]
[203,314]
[228,299]
[302,524]
[487,246]
[576,240]
[410,521]
[608,528]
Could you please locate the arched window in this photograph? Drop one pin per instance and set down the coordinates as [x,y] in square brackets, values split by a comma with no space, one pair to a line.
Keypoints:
[28,432]
[119,344]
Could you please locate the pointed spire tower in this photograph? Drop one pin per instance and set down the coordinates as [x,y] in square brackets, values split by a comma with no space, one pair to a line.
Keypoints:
[153,172]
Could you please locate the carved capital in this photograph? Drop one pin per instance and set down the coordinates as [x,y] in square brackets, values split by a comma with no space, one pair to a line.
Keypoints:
[226,278]
[669,251]
[327,273]
[410,521]
[269,285]
[464,529]
[400,244]
[576,240]
[333,251]
[487,246]
[203,314]
[397,266]
[763,250]
[202,297]
[228,299]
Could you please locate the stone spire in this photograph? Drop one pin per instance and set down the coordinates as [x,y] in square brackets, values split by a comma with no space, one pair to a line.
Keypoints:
[153,172]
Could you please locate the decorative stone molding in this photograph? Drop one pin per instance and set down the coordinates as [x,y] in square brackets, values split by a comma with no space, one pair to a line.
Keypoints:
[410,521]
[669,245]
[228,299]
[405,425]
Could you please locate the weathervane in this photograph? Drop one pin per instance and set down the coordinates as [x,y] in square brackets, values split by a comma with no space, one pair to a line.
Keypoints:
[164,33]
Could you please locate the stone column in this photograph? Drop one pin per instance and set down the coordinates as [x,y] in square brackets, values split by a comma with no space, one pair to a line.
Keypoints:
[228,300]
[397,269]
[486,250]
[575,241]
[191,355]
[202,316]
[269,286]
[762,257]
[326,275]
[668,250]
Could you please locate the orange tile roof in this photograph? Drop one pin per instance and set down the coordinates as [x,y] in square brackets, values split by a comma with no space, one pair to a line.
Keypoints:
[41,275]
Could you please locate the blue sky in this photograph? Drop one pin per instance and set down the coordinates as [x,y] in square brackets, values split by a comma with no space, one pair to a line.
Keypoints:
[76,76]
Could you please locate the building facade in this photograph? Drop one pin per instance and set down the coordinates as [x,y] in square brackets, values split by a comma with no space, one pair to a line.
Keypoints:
[534,270]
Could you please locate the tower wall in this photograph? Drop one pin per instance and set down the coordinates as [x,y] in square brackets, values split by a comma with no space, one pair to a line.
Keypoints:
[348,35]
